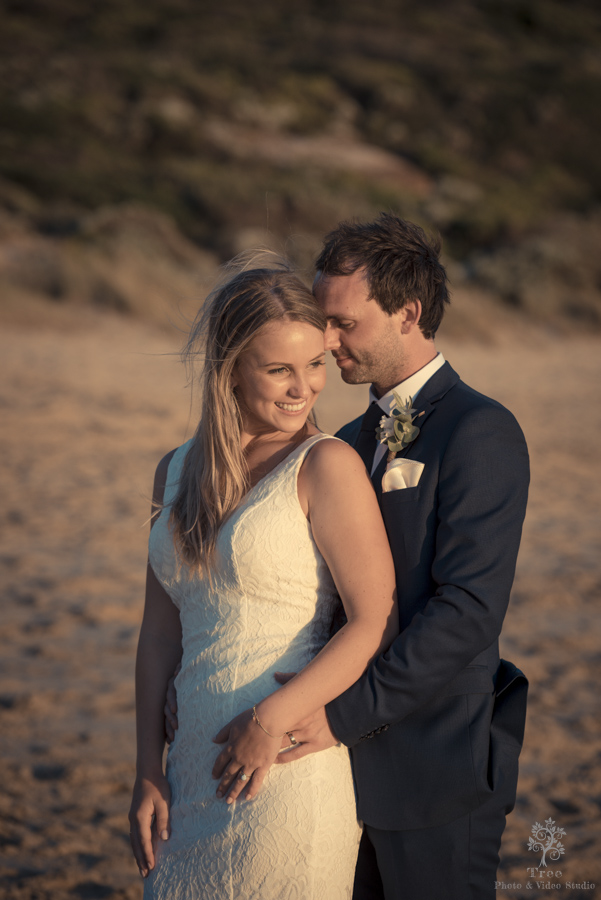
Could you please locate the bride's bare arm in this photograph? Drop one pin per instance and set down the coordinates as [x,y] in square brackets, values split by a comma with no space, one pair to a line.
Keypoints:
[159,651]
[347,526]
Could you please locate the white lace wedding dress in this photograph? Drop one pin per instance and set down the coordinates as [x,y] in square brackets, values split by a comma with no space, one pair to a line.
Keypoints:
[268,608]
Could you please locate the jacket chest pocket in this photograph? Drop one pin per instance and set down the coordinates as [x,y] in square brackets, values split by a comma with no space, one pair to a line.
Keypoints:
[402,495]
[409,526]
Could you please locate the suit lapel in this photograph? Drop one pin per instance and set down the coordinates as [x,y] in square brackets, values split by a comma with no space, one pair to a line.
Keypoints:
[436,387]
[378,475]
[350,433]
[433,390]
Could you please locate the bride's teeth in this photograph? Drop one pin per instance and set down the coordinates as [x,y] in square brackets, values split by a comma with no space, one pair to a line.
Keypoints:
[289,407]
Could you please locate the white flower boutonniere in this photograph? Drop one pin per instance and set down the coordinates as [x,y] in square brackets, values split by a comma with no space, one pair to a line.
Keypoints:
[397,430]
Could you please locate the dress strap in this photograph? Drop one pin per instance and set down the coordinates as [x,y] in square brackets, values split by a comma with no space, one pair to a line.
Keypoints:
[293,463]
[303,449]
[174,472]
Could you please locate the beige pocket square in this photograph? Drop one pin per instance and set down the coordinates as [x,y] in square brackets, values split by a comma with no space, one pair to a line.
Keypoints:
[402,473]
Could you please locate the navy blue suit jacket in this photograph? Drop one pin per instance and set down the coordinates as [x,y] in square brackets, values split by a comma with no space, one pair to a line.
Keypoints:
[436,723]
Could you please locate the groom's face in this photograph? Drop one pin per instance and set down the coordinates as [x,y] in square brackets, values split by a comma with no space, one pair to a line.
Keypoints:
[366,342]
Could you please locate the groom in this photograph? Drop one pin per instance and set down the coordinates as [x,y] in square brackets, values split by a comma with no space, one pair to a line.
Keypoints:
[435,725]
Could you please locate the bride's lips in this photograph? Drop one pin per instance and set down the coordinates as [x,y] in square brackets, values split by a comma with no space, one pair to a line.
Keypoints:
[292,409]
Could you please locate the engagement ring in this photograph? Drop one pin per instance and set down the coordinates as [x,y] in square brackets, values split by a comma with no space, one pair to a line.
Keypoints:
[243,777]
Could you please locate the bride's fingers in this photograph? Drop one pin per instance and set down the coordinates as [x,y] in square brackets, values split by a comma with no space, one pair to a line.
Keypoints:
[222,736]
[256,782]
[141,842]
[228,778]
[221,762]
[161,824]
[238,785]
[147,849]
[137,851]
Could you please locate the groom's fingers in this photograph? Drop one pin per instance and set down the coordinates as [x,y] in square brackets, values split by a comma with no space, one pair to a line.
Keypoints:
[170,723]
[284,677]
[296,753]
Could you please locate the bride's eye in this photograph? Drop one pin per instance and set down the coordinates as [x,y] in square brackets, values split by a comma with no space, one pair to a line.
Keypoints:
[279,371]
[317,363]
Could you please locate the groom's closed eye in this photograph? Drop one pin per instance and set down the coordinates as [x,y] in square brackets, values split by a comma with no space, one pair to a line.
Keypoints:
[336,323]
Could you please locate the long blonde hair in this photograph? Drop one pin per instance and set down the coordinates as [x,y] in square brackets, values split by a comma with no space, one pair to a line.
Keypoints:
[215,474]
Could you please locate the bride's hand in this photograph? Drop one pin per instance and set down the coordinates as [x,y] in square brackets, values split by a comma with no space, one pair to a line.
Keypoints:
[249,751]
[148,818]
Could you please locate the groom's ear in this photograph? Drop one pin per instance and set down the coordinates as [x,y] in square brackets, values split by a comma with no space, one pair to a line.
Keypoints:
[410,315]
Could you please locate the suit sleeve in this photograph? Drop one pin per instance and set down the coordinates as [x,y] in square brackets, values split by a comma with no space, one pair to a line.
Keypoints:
[483,486]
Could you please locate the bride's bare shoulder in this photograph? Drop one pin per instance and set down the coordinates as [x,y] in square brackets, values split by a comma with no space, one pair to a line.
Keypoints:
[334,476]
[333,457]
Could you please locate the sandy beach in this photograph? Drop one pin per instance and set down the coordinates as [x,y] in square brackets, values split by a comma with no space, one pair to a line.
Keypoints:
[90,402]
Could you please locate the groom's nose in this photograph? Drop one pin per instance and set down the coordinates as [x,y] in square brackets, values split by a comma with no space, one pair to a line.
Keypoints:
[331,337]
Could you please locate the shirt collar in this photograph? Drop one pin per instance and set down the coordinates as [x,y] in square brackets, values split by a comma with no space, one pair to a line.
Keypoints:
[410,387]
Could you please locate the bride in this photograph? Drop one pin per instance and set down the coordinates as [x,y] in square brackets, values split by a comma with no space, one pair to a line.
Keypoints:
[260,522]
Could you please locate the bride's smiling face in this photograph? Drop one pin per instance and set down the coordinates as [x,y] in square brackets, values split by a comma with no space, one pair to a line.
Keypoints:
[279,377]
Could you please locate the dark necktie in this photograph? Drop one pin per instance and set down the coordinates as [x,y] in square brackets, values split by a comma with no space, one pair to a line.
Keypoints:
[366,442]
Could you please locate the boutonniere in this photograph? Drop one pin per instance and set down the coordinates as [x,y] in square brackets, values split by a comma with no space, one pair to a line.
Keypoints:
[397,430]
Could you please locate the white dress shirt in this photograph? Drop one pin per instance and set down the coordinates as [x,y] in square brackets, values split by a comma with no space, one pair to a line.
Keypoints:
[410,387]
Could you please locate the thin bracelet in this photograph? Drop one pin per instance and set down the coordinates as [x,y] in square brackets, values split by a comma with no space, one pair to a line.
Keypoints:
[256,718]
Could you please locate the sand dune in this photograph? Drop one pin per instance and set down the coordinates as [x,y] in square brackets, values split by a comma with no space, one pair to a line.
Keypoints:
[89,405]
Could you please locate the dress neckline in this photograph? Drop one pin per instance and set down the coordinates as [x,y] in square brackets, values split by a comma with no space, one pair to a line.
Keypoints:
[288,457]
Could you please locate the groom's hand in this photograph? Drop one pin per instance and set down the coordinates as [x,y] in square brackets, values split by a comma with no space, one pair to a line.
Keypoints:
[313,733]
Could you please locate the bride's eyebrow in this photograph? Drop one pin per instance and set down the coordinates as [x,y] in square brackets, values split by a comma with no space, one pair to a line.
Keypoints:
[267,365]
[281,363]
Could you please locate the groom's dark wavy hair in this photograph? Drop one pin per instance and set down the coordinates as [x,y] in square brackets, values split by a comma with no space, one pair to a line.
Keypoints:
[401,263]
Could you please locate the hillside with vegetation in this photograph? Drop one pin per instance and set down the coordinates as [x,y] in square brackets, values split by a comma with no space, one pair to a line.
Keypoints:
[141,144]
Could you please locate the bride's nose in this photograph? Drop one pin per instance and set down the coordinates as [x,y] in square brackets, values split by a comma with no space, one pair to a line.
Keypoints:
[299,388]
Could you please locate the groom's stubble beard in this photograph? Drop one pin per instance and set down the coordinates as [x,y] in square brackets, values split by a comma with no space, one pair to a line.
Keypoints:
[382,367]
[360,372]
